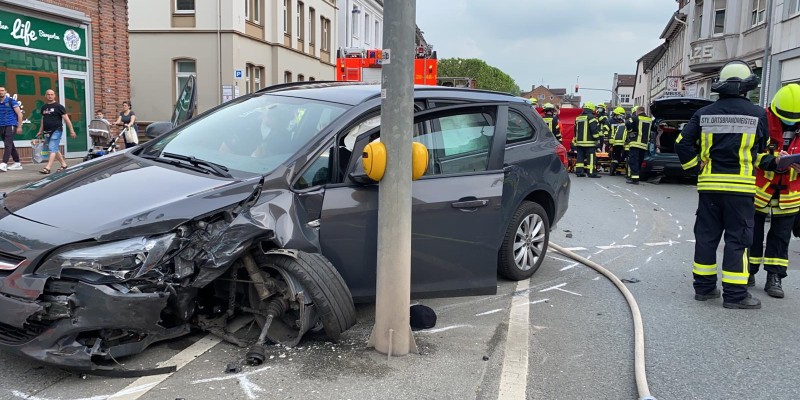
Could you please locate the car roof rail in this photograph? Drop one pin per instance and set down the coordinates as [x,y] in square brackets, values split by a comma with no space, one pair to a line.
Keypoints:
[309,84]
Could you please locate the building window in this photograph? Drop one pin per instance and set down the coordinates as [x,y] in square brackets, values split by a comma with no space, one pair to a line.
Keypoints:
[541,97]
[300,19]
[367,24]
[248,88]
[257,73]
[256,11]
[285,17]
[301,77]
[184,6]
[183,70]
[311,79]
[378,34]
[247,10]
[719,17]
[759,12]
[551,97]
[312,16]
[698,21]
[625,98]
[354,22]
[326,34]
[287,76]
[793,7]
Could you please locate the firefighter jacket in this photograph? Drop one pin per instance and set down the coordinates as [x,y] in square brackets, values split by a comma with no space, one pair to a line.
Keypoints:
[781,186]
[639,127]
[618,132]
[605,127]
[552,123]
[587,131]
[732,138]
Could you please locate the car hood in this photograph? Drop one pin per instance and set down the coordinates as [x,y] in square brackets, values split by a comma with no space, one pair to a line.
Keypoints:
[122,195]
[677,108]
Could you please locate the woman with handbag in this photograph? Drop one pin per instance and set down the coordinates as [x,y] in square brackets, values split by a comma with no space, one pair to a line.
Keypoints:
[127,118]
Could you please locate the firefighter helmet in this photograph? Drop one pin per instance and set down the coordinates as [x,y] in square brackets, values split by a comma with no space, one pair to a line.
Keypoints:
[589,105]
[619,111]
[549,106]
[533,101]
[786,103]
[601,105]
[735,78]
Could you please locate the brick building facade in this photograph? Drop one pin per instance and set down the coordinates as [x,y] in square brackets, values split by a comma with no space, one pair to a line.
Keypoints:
[79,48]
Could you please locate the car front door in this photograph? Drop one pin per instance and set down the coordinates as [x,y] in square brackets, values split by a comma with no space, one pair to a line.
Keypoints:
[456,208]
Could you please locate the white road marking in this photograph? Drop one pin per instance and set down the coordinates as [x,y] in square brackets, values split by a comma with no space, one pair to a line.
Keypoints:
[670,215]
[25,396]
[179,360]
[680,228]
[655,204]
[496,310]
[662,209]
[659,252]
[559,259]
[647,199]
[605,188]
[558,287]
[599,251]
[633,269]
[668,243]
[573,265]
[625,237]
[648,259]
[445,328]
[677,222]
[596,278]
[691,240]
[539,301]
[637,222]
[249,388]
[616,246]
[514,376]
[613,243]
[635,229]
[679,236]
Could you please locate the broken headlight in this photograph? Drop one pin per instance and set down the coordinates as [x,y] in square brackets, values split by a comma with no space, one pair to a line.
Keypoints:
[122,260]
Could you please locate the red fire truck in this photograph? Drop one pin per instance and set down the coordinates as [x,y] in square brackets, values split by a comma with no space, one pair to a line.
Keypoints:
[364,65]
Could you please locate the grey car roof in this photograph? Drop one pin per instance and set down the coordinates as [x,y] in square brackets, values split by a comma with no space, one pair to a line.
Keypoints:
[352,93]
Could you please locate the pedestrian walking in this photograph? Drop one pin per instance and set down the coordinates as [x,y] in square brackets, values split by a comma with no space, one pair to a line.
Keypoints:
[54,116]
[777,193]
[638,127]
[127,118]
[587,133]
[10,125]
[732,133]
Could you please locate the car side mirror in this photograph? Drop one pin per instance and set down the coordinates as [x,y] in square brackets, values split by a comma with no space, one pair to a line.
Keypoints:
[157,129]
[361,178]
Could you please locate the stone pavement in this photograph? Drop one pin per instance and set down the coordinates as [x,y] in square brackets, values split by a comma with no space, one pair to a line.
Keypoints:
[29,173]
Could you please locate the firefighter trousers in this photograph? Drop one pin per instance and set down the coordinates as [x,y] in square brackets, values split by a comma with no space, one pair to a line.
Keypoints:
[585,154]
[635,156]
[617,158]
[775,256]
[733,215]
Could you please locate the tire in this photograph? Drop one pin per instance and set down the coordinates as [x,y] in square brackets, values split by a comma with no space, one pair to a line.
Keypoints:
[529,218]
[326,287]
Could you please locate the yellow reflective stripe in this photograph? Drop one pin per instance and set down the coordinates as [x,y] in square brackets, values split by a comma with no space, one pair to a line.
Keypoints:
[781,262]
[680,137]
[785,211]
[750,179]
[745,159]
[691,163]
[723,187]
[756,260]
[736,278]
[704,269]
[706,140]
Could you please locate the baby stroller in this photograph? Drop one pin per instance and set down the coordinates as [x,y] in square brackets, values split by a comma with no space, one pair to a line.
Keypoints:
[102,141]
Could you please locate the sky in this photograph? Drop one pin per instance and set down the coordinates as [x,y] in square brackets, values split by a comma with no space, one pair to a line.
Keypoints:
[557,43]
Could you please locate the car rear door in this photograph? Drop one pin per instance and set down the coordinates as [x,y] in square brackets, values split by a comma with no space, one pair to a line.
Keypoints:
[456,208]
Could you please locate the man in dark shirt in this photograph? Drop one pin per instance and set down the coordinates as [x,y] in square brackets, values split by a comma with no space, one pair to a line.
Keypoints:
[54,115]
[10,124]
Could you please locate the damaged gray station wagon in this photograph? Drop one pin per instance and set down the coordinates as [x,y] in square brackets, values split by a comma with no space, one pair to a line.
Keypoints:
[260,206]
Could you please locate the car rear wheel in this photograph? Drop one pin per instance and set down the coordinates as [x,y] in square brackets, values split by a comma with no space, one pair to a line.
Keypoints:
[525,242]
[316,292]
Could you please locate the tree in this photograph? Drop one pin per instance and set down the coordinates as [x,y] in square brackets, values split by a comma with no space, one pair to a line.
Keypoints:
[486,76]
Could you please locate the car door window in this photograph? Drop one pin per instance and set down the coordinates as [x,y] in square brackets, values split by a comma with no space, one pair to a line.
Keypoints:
[519,129]
[460,143]
[318,172]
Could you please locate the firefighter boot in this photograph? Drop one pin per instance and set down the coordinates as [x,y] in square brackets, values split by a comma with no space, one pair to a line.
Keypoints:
[773,286]
[751,280]
[703,297]
[613,170]
[748,303]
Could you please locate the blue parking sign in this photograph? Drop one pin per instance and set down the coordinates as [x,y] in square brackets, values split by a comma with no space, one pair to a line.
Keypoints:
[237,74]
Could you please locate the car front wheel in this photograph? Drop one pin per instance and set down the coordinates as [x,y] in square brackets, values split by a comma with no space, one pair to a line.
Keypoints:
[525,242]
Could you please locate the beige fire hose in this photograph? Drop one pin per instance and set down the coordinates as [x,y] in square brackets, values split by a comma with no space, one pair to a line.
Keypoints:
[638,328]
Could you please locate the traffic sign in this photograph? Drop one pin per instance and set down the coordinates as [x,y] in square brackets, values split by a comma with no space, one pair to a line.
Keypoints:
[238,74]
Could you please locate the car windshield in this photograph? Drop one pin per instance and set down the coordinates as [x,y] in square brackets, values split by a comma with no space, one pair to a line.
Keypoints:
[256,135]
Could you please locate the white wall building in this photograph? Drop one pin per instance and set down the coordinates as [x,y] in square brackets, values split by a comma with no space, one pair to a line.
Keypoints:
[268,41]
[361,24]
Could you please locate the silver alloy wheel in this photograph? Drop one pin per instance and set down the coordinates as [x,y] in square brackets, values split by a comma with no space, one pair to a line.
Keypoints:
[529,242]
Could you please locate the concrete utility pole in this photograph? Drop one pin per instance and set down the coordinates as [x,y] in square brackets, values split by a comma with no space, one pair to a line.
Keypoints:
[392,333]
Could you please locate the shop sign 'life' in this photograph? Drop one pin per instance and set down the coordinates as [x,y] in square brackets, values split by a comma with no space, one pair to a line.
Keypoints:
[39,34]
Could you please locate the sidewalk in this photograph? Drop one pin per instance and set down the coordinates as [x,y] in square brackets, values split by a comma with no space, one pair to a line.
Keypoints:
[29,173]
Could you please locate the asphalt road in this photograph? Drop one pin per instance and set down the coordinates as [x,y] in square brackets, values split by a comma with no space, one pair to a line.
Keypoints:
[579,330]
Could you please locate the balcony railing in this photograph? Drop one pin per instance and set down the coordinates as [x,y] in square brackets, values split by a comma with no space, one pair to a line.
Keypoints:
[706,55]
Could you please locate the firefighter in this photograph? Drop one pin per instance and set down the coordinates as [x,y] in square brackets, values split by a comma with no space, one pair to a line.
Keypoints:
[638,126]
[587,133]
[534,103]
[777,193]
[617,139]
[603,124]
[551,119]
[732,137]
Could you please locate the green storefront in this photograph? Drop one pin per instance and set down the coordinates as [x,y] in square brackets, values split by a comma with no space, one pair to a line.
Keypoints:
[37,54]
